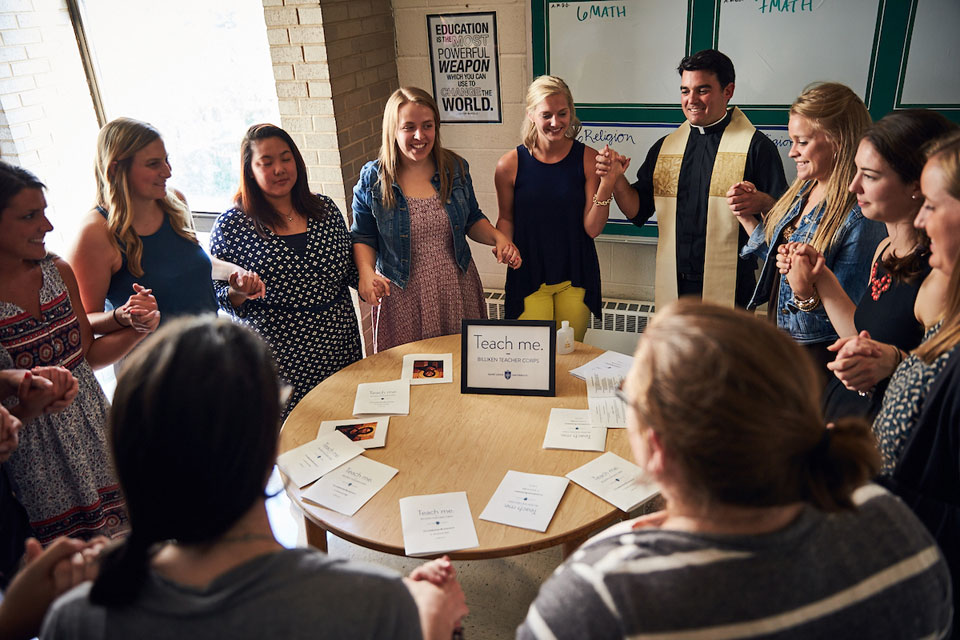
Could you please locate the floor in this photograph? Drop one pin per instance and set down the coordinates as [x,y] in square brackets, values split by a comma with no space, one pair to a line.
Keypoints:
[498,591]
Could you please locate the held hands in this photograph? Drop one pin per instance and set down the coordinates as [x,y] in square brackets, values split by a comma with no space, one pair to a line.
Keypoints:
[610,164]
[506,252]
[246,284]
[440,600]
[803,265]
[744,199]
[862,362]
[9,433]
[373,286]
[46,575]
[140,311]
[62,389]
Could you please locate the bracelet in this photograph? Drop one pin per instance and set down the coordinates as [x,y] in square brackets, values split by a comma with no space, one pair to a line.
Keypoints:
[602,203]
[117,320]
[809,304]
[899,356]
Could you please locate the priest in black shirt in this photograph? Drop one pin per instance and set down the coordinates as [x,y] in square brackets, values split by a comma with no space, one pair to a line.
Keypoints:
[714,163]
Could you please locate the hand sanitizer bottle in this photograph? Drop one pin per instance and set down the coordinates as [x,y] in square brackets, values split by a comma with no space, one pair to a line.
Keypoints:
[565,338]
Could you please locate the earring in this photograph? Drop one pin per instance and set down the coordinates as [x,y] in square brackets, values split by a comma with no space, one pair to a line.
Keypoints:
[913,196]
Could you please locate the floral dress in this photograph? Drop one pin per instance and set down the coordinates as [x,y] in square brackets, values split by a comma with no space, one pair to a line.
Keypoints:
[61,471]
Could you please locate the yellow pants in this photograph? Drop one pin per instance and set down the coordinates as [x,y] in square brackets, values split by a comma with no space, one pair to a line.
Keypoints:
[558,302]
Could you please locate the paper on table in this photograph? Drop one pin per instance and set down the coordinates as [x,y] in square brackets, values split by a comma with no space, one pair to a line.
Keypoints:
[350,486]
[574,429]
[309,461]
[526,500]
[428,368]
[369,432]
[607,412]
[609,362]
[382,398]
[606,409]
[615,480]
[437,523]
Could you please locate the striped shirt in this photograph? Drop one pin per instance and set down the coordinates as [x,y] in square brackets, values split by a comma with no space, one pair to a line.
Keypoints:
[872,573]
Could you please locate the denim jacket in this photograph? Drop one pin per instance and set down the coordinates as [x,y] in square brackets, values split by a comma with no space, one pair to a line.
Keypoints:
[388,230]
[849,258]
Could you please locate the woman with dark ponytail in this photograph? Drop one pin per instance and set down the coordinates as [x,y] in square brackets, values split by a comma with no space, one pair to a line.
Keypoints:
[193,453]
[770,527]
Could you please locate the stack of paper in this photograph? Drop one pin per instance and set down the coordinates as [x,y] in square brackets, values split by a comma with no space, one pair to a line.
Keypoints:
[383,398]
[308,462]
[608,362]
[574,429]
[526,500]
[615,480]
[350,486]
[438,523]
[606,409]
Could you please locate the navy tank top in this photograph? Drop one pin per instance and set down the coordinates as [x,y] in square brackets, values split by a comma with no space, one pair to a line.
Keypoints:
[178,271]
[548,204]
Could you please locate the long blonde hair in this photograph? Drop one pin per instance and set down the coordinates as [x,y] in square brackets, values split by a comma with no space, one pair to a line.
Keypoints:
[538,91]
[946,152]
[390,153]
[836,111]
[118,142]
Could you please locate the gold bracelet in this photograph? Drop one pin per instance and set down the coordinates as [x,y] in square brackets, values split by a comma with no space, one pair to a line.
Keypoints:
[602,203]
[809,304]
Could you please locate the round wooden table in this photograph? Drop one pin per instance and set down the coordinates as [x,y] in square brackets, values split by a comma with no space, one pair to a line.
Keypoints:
[453,442]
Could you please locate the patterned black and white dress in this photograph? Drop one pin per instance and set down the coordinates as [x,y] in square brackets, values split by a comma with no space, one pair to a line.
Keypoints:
[61,470]
[307,316]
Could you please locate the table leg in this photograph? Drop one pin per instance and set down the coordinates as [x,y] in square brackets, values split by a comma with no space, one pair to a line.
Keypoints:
[316,535]
[570,546]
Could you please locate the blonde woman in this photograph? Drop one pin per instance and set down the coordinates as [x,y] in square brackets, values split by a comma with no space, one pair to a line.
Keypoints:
[552,205]
[137,249]
[413,209]
[826,124]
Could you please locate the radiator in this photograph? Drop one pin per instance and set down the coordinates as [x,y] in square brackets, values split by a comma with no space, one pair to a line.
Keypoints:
[624,316]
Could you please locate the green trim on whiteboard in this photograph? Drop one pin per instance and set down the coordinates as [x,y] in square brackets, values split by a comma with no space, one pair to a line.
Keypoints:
[540,37]
[699,26]
[868,90]
[908,37]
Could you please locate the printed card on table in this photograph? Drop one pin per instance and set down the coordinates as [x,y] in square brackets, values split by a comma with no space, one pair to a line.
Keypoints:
[525,500]
[309,461]
[350,486]
[369,432]
[607,412]
[574,429]
[437,523]
[382,398]
[428,368]
[608,362]
[615,480]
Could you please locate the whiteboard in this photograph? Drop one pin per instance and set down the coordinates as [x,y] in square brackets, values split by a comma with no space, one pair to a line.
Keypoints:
[779,47]
[634,140]
[618,52]
[932,75]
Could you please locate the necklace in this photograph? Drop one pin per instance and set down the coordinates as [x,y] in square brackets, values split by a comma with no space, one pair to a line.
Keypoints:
[878,285]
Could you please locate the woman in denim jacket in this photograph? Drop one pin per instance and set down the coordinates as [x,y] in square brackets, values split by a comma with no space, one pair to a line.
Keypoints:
[412,210]
[826,123]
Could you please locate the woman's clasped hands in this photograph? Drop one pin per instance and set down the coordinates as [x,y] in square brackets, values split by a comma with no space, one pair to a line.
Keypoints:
[139,311]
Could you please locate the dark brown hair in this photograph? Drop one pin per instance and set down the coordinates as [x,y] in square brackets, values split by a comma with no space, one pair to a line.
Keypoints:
[735,403]
[250,198]
[900,138]
[192,451]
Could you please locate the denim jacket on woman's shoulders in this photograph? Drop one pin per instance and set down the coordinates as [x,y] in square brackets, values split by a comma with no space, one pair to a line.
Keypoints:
[849,257]
[388,230]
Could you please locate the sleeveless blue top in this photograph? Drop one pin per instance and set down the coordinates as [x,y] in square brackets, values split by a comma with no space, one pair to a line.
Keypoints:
[178,271]
[548,203]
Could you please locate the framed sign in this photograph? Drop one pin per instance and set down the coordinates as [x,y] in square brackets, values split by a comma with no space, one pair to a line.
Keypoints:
[509,357]
[465,66]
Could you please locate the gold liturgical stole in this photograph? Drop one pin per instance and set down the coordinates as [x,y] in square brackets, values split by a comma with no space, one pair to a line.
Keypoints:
[720,260]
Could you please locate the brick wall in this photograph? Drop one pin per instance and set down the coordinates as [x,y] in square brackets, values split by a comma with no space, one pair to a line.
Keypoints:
[47,122]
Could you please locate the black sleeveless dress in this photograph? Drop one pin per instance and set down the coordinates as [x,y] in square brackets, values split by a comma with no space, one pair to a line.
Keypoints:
[890,319]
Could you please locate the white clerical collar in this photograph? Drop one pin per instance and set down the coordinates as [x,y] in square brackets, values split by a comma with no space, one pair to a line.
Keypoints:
[703,130]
